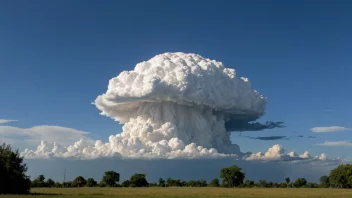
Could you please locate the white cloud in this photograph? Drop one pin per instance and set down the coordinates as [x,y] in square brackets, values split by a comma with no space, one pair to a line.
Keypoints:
[337,143]
[277,153]
[329,129]
[34,135]
[3,121]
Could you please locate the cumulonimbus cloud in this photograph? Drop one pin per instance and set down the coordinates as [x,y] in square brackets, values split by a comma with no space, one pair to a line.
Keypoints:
[175,105]
[327,129]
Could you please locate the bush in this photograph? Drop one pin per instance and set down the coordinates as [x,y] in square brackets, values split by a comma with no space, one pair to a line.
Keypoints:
[126,183]
[214,183]
[91,182]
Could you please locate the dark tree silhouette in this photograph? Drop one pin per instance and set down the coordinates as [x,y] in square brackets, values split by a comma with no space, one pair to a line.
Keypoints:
[161,182]
[13,179]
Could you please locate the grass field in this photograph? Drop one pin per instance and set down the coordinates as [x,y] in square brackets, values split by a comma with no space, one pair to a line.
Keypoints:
[185,192]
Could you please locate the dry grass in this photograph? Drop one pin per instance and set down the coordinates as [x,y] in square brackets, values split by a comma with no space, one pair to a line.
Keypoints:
[186,192]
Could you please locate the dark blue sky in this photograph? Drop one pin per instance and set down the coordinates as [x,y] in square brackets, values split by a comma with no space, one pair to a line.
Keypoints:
[57,56]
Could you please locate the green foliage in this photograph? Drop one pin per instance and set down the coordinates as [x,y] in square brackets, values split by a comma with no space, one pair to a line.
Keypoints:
[67,184]
[102,184]
[341,177]
[249,183]
[300,182]
[111,178]
[283,185]
[311,185]
[50,183]
[79,182]
[161,182]
[13,179]
[126,183]
[39,182]
[138,180]
[287,180]
[214,183]
[91,182]
[58,185]
[195,183]
[232,176]
[324,181]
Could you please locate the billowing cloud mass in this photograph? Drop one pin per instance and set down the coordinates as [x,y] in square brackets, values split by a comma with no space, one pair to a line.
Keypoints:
[328,129]
[277,153]
[3,121]
[174,105]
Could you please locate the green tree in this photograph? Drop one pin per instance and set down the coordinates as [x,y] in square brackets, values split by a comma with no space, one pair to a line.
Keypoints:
[111,178]
[50,183]
[341,176]
[138,180]
[67,184]
[249,183]
[58,185]
[287,180]
[39,181]
[324,181]
[300,182]
[79,182]
[13,178]
[232,176]
[311,185]
[169,182]
[262,183]
[214,183]
[102,184]
[126,183]
[91,182]
[161,182]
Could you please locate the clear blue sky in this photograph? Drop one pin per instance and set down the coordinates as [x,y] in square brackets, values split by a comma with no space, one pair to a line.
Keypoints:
[57,56]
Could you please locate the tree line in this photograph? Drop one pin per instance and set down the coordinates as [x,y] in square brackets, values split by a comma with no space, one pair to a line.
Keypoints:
[13,178]
[233,176]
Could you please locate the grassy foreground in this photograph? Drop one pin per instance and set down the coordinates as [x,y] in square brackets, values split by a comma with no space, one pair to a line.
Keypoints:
[186,192]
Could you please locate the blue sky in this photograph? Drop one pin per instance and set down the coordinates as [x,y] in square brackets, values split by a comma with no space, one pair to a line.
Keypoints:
[57,56]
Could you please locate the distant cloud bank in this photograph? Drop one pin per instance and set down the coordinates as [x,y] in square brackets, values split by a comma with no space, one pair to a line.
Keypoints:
[337,143]
[3,121]
[327,129]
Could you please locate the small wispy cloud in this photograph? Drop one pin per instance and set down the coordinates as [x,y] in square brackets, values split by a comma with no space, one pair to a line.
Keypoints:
[327,129]
[336,143]
[3,121]
[34,135]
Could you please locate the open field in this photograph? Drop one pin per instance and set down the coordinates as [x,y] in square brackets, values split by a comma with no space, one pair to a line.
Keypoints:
[186,192]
